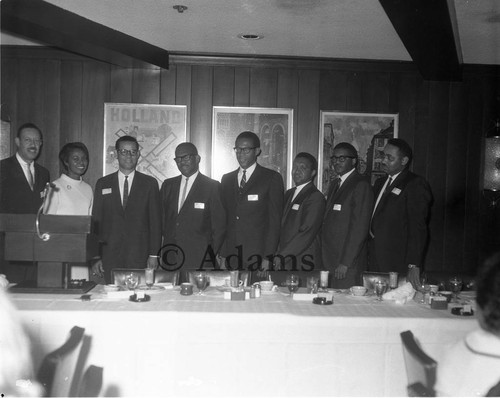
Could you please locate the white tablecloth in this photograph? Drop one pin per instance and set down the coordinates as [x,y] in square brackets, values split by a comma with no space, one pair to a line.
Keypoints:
[205,345]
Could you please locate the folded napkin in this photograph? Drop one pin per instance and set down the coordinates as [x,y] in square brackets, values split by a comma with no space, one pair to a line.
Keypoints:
[4,283]
[401,294]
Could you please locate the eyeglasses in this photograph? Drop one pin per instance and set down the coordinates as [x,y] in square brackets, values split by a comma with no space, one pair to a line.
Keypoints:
[341,159]
[125,152]
[184,158]
[245,151]
[29,141]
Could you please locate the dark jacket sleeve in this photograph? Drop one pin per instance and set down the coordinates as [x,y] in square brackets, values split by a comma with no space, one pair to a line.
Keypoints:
[418,201]
[275,211]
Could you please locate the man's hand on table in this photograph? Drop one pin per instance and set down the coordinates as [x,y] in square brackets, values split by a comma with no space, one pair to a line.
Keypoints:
[97,268]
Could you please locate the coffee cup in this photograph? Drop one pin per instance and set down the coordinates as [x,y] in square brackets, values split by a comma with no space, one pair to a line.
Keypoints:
[266,286]
[358,290]
[186,289]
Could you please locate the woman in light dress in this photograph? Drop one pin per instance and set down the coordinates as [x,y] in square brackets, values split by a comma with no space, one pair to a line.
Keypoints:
[72,196]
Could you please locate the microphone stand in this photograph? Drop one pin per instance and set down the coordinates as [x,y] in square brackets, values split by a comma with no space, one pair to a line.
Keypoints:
[45,236]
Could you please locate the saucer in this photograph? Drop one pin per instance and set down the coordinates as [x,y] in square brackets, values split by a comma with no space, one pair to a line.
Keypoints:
[136,300]
[317,301]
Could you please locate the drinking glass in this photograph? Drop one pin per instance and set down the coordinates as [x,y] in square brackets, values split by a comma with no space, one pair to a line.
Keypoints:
[380,288]
[312,284]
[150,277]
[323,281]
[292,282]
[201,281]
[455,287]
[131,281]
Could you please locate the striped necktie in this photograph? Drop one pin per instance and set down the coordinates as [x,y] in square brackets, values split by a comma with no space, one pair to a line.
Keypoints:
[30,177]
[243,181]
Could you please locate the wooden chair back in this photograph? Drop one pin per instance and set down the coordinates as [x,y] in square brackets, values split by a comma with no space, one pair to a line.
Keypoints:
[420,368]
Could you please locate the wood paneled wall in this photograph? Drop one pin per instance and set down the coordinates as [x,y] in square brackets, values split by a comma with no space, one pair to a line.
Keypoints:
[444,122]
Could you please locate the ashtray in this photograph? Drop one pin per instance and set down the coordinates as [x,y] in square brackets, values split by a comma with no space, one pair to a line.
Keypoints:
[139,300]
[460,311]
[322,301]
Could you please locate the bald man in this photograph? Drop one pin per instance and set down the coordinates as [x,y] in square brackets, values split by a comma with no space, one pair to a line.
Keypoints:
[193,217]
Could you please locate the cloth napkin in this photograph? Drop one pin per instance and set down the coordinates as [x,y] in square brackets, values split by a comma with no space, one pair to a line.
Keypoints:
[401,294]
[4,283]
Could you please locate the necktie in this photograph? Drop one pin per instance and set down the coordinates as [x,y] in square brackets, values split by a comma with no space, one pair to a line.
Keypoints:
[125,192]
[243,181]
[336,185]
[388,185]
[30,177]
[184,191]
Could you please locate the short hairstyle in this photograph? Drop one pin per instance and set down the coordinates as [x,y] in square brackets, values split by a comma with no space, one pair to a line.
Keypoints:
[68,148]
[348,147]
[29,126]
[403,147]
[250,135]
[188,146]
[126,138]
[488,293]
[311,158]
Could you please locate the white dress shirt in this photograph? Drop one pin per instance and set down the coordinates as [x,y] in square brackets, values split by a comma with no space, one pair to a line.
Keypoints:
[189,186]
[121,182]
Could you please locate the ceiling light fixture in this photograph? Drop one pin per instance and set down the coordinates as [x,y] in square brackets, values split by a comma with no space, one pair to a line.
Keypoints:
[180,9]
[249,36]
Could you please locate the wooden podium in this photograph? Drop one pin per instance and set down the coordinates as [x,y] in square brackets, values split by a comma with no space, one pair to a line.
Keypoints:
[68,239]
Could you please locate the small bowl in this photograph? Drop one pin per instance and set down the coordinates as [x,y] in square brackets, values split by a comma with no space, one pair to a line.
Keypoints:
[358,290]
[266,286]
[446,294]
[111,288]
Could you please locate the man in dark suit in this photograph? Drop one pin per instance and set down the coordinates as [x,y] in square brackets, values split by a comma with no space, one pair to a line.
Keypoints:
[346,221]
[128,215]
[299,244]
[22,184]
[399,220]
[22,180]
[193,216]
[253,198]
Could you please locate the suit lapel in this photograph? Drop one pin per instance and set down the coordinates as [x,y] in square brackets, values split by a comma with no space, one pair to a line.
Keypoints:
[115,191]
[288,204]
[251,181]
[191,193]
[397,183]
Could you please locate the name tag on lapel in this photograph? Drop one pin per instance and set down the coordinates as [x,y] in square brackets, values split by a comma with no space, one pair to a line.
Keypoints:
[106,191]
[396,191]
[337,207]
[295,206]
[198,205]
[253,198]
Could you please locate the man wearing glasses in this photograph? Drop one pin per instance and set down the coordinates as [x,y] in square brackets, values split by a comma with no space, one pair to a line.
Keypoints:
[253,198]
[22,180]
[194,220]
[127,213]
[347,219]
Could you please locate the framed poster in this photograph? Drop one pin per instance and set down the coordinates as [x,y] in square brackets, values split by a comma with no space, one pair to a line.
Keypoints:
[273,126]
[158,129]
[367,132]
[4,139]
